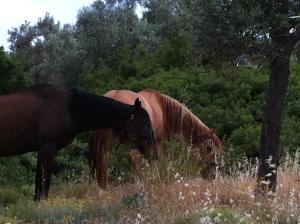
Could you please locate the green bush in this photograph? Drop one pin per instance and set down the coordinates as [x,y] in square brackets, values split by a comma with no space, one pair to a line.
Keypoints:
[8,196]
[230,100]
[18,169]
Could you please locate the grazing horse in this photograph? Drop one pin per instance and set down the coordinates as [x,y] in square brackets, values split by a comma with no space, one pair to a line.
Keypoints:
[102,139]
[44,118]
[169,118]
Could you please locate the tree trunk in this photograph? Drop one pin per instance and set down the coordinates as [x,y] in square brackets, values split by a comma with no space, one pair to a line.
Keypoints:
[270,138]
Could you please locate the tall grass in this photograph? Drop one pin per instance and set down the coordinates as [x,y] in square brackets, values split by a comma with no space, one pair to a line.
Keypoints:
[171,191]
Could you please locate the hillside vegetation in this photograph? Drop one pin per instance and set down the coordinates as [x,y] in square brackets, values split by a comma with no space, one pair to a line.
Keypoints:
[212,56]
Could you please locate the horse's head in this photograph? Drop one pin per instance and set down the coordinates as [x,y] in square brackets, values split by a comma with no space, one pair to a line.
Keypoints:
[204,148]
[139,129]
[207,145]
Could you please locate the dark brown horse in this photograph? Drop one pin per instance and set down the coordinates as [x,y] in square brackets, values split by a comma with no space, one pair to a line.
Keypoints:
[44,118]
[169,118]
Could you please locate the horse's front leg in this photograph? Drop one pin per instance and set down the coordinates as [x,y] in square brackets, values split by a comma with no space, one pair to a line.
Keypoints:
[46,154]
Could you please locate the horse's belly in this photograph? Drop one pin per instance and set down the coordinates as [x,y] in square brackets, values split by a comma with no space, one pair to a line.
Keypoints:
[13,143]
[5,152]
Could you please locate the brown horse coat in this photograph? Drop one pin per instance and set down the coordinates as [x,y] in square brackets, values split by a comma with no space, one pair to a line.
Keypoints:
[169,117]
[44,118]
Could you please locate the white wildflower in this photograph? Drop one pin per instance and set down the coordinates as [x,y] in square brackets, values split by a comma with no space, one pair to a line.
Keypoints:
[248,215]
[181,197]
[266,182]
[139,216]
[176,175]
[269,160]
[207,193]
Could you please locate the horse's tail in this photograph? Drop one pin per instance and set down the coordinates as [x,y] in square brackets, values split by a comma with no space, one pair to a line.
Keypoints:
[92,154]
[98,156]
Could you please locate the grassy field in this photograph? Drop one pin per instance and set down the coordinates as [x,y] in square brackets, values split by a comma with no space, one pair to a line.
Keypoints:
[164,195]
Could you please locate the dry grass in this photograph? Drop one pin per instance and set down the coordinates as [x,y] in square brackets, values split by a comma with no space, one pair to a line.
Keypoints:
[162,202]
[228,199]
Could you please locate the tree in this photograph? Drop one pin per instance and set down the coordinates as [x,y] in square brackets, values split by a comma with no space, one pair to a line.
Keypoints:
[104,28]
[284,42]
[60,63]
[26,42]
[223,31]
[49,52]
[12,76]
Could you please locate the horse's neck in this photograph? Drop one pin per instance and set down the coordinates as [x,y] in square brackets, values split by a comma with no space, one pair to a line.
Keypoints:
[185,124]
[193,128]
[99,113]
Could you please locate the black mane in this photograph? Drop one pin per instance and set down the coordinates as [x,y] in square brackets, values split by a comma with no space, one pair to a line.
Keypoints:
[85,102]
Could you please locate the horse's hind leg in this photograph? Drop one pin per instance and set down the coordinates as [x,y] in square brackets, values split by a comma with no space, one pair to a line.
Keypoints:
[44,166]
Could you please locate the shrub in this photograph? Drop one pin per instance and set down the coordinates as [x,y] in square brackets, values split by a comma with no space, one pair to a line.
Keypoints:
[9,196]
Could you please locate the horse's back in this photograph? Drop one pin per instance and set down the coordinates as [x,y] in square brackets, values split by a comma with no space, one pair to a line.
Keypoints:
[125,96]
[26,118]
[128,97]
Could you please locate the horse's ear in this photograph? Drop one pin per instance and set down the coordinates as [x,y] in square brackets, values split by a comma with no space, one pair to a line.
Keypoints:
[137,104]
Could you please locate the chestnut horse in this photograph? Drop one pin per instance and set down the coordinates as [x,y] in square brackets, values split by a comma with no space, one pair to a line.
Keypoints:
[169,118]
[44,118]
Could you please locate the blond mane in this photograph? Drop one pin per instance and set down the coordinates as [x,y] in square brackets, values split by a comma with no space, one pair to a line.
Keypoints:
[178,119]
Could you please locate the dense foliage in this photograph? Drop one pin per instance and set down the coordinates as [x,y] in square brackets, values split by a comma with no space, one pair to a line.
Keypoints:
[197,54]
